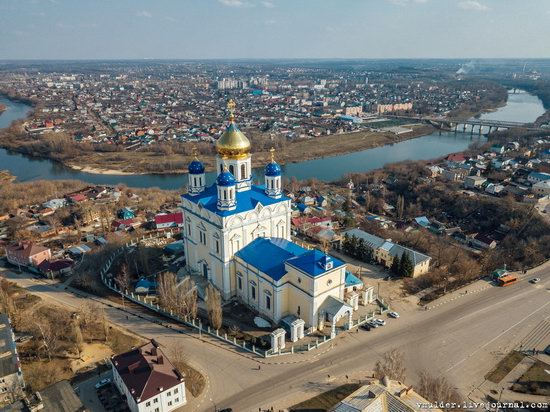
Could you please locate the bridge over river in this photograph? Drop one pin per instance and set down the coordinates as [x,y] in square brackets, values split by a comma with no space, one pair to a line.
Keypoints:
[470,125]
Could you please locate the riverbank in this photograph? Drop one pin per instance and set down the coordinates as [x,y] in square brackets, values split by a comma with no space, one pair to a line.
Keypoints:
[6,176]
[2,108]
[145,162]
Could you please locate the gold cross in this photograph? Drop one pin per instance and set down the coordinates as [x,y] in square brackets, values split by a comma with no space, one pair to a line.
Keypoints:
[272,151]
[231,108]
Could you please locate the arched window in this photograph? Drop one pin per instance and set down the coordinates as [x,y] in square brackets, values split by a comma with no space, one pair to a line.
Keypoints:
[221,168]
[243,171]
[195,181]
[225,195]
[232,170]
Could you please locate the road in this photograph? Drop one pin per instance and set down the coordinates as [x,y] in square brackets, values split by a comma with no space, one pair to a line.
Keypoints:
[462,340]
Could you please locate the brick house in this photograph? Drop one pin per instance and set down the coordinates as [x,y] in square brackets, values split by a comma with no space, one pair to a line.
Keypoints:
[27,254]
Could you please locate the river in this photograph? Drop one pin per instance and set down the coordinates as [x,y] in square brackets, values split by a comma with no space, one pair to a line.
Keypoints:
[521,107]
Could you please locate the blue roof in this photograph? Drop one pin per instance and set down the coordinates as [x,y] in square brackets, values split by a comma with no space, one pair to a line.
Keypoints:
[270,255]
[352,280]
[310,262]
[145,283]
[422,221]
[301,206]
[273,169]
[540,175]
[226,179]
[196,167]
[246,200]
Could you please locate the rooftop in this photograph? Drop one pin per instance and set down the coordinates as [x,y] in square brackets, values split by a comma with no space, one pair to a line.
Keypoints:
[146,371]
[246,200]
[279,251]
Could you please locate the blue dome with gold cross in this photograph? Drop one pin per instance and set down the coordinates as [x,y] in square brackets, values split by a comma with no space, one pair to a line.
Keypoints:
[226,178]
[196,167]
[272,169]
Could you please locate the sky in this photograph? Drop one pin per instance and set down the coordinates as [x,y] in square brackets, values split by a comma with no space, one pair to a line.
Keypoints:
[244,29]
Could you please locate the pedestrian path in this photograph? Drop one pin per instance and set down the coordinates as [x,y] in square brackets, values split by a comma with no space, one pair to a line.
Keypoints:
[538,339]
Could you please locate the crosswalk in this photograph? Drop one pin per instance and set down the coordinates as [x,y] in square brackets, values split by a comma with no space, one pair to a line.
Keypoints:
[538,339]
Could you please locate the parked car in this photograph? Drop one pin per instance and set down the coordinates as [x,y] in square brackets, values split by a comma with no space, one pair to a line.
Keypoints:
[102,383]
[372,324]
[380,322]
[535,280]
[366,326]
[393,314]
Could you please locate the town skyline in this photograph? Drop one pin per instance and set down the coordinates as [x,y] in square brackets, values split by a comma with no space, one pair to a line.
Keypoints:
[278,29]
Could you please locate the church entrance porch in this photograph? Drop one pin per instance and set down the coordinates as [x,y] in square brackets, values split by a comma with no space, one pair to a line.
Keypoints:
[335,311]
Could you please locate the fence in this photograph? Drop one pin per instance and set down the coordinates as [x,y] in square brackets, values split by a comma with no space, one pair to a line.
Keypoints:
[196,324]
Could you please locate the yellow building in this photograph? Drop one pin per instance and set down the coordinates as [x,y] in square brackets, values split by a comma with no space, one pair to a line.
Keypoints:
[385,251]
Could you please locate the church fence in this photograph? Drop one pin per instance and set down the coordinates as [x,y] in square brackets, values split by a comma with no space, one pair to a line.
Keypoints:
[196,324]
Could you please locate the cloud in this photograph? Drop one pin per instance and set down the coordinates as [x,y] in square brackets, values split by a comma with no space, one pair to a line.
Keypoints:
[144,13]
[234,3]
[406,2]
[472,5]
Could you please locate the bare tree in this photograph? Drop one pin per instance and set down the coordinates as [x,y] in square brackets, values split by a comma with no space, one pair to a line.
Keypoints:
[123,278]
[48,336]
[78,340]
[214,307]
[437,389]
[180,298]
[166,290]
[391,365]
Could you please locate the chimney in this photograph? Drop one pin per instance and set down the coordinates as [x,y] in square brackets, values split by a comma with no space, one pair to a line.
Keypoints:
[160,360]
[386,381]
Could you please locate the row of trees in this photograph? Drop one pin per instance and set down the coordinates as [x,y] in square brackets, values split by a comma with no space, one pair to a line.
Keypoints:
[402,266]
[358,248]
[181,298]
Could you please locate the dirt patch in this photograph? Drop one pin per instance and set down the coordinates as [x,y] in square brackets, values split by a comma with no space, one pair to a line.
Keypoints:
[535,381]
[504,367]
[326,400]
[90,355]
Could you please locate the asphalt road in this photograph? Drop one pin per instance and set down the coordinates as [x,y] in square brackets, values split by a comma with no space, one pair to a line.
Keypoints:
[462,340]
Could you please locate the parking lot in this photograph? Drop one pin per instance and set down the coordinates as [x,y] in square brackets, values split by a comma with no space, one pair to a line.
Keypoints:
[104,399]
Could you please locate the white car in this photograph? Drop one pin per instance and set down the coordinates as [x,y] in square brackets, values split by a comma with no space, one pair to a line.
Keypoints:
[393,315]
[535,280]
[380,322]
[102,383]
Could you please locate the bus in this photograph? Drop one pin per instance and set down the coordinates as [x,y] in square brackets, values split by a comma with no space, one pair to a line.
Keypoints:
[506,280]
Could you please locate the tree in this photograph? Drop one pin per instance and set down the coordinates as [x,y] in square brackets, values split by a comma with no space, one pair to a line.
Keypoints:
[78,340]
[406,267]
[214,307]
[368,201]
[400,206]
[48,335]
[391,365]
[437,389]
[395,265]
[123,278]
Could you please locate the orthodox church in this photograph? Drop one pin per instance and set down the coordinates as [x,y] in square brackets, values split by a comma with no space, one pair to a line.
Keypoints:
[237,235]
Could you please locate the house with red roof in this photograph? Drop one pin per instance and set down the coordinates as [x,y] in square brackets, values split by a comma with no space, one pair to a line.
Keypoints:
[149,381]
[168,220]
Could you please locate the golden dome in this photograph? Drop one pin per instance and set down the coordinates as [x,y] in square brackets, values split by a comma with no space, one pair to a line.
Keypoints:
[233,143]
